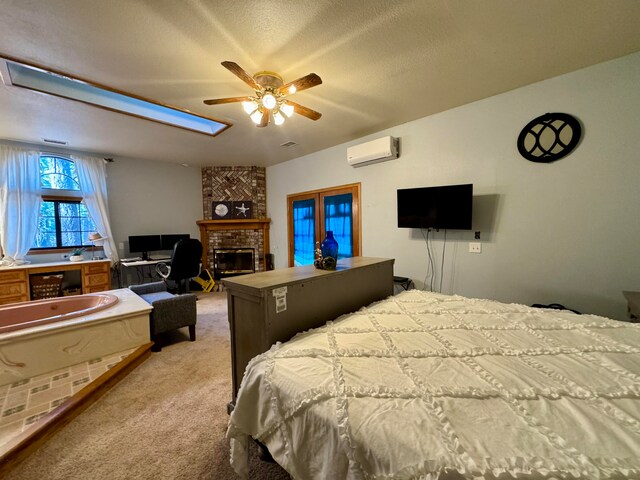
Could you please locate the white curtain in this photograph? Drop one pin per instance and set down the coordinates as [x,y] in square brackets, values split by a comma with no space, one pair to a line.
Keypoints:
[92,175]
[20,200]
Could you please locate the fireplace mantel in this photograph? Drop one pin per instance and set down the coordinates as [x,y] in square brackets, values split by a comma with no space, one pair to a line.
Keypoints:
[207,226]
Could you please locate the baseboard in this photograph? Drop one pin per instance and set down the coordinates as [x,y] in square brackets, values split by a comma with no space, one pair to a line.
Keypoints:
[36,435]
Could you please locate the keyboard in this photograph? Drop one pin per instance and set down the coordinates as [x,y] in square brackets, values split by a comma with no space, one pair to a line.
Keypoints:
[132,259]
[159,259]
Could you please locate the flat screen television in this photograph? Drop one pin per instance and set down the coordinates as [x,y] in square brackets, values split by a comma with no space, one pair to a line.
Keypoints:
[144,244]
[168,240]
[448,207]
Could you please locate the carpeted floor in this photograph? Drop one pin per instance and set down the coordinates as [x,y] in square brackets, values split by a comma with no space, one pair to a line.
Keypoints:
[166,420]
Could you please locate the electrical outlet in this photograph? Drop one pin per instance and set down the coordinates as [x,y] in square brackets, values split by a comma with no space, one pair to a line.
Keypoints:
[475,247]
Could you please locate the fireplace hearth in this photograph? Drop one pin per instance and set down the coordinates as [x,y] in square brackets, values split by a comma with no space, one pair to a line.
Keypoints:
[229,262]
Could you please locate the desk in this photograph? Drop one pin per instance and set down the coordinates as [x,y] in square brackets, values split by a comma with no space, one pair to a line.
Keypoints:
[139,265]
[15,285]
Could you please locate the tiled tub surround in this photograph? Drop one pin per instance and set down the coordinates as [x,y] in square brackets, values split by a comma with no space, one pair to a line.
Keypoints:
[34,351]
[26,401]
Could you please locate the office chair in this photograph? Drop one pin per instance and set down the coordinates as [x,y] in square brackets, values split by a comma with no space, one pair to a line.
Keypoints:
[185,263]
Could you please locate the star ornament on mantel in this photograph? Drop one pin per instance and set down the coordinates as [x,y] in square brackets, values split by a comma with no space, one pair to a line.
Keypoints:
[242,210]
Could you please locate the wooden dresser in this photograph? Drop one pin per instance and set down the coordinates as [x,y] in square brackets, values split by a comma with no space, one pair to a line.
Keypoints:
[273,306]
[94,275]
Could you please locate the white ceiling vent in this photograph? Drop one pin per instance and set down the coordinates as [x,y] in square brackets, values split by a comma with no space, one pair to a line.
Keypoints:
[379,150]
[290,143]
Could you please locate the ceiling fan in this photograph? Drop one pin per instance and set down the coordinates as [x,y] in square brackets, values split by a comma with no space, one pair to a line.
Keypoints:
[269,100]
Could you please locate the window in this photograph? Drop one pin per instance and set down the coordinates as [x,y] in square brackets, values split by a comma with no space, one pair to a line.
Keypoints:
[64,221]
[312,214]
[58,173]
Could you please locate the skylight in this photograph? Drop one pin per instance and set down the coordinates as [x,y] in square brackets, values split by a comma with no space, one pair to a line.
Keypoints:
[23,75]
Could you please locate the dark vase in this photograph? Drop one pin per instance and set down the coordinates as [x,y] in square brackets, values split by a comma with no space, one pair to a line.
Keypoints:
[329,248]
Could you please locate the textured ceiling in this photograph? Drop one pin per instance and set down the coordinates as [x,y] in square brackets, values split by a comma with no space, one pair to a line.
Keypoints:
[382,63]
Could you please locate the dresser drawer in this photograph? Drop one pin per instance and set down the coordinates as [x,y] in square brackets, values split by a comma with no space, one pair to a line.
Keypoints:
[97,279]
[7,300]
[13,289]
[100,267]
[13,276]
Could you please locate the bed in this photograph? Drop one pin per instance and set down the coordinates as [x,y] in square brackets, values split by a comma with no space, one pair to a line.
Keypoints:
[430,386]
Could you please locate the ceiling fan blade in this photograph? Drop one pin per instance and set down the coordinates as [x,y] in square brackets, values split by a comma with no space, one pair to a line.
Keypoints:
[265,119]
[302,83]
[217,101]
[241,74]
[304,111]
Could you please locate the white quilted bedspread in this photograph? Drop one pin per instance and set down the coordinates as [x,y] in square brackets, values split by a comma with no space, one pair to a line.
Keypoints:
[426,386]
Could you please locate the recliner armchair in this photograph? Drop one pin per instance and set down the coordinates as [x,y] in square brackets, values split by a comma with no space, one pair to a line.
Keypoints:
[169,312]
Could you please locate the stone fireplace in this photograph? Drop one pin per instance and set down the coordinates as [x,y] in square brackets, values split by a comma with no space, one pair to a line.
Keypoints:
[234,184]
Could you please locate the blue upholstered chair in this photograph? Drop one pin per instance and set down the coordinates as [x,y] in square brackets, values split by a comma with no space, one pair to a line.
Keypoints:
[169,311]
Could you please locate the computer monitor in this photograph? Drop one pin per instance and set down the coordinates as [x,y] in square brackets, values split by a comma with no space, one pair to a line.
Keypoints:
[168,240]
[144,244]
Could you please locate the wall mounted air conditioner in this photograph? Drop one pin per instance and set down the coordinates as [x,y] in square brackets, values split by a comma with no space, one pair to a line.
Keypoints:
[384,148]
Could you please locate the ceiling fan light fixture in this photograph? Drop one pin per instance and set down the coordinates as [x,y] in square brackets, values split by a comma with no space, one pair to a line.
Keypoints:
[256,117]
[278,118]
[268,101]
[249,107]
[286,109]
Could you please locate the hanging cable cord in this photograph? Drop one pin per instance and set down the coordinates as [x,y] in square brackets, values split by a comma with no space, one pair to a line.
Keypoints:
[430,265]
[433,262]
[444,248]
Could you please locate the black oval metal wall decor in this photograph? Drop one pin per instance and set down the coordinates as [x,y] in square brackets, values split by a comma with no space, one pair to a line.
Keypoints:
[549,137]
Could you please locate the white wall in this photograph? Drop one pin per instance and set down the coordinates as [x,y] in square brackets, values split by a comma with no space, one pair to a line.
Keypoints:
[566,232]
[148,197]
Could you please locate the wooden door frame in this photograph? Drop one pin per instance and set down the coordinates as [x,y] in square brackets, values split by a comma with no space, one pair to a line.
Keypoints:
[318,195]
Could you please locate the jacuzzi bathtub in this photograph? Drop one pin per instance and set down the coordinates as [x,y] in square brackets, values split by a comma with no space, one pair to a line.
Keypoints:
[39,312]
[98,325]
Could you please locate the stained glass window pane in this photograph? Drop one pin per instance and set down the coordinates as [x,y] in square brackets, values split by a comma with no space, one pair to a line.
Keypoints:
[46,234]
[338,219]
[69,209]
[58,173]
[303,232]
[48,209]
[87,225]
[46,240]
[47,224]
[69,224]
